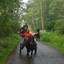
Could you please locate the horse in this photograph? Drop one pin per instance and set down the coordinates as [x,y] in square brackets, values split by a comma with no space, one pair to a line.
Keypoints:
[37,36]
[30,46]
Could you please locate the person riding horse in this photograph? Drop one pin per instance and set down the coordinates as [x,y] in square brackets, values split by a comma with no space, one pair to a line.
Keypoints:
[26,35]
[37,34]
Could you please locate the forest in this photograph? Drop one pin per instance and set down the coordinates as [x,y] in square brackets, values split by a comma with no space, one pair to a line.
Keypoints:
[48,15]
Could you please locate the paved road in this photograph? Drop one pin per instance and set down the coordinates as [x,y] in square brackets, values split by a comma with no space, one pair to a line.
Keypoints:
[45,55]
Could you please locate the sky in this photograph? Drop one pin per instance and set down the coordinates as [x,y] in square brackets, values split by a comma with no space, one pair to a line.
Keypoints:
[20,10]
[25,1]
[23,6]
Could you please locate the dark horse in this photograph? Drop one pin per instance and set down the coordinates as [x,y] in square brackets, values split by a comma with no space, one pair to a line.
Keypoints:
[37,35]
[30,46]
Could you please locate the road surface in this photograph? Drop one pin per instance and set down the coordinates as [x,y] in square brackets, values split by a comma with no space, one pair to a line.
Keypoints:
[45,55]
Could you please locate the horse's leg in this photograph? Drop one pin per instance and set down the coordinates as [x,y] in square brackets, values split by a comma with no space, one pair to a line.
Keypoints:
[31,53]
[21,47]
[20,50]
[37,38]
[35,49]
[27,52]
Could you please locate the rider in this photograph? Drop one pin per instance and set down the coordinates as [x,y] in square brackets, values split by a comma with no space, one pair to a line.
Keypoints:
[26,35]
[38,33]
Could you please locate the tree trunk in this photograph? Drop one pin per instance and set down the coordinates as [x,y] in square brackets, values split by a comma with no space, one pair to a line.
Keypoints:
[41,15]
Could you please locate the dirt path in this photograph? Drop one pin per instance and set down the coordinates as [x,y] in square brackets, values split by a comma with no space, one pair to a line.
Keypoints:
[45,55]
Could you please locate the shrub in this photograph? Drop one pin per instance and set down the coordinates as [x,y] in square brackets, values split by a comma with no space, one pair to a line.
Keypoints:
[59,26]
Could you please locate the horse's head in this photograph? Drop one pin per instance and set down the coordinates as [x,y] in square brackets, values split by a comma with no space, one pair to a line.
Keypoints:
[31,40]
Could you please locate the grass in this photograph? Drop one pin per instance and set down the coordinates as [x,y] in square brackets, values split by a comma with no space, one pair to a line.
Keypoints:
[53,39]
[7,45]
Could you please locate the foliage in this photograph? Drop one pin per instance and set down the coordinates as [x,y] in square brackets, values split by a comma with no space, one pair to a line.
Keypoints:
[59,26]
[44,13]
[54,11]
[53,39]
[7,45]
[8,17]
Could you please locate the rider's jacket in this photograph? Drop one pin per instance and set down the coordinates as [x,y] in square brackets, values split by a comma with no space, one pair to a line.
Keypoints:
[26,35]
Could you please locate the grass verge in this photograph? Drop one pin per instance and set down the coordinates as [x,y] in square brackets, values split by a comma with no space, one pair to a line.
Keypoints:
[7,45]
[53,39]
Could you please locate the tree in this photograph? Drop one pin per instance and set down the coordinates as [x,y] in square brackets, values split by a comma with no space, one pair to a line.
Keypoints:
[59,26]
[8,16]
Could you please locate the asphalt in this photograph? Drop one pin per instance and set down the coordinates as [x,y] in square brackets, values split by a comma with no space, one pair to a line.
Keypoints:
[45,55]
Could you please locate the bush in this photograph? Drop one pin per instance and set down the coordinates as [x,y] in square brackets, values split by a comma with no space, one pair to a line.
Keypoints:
[45,37]
[59,26]
[7,45]
[53,39]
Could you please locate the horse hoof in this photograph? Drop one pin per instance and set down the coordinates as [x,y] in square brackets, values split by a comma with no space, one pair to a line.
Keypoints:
[27,54]
[31,56]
